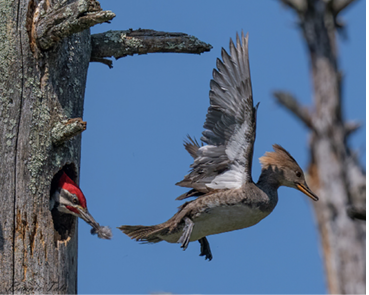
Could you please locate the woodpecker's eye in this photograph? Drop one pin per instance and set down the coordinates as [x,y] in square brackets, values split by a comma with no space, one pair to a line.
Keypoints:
[75,201]
[298,173]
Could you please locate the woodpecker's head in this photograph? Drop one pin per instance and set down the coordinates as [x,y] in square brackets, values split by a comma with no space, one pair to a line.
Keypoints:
[69,199]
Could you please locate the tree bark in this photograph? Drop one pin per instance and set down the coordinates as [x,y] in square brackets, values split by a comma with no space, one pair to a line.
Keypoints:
[334,173]
[44,56]
[38,91]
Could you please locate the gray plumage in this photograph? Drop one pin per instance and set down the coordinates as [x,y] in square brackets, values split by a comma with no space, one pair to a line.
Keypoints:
[220,176]
[230,126]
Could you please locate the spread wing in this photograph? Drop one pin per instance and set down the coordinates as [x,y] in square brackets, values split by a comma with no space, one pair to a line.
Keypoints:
[225,162]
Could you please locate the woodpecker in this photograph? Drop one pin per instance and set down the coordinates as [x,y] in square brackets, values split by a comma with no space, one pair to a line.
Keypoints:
[69,199]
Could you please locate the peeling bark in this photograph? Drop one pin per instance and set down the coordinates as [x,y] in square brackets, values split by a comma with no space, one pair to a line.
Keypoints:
[334,172]
[36,92]
[53,23]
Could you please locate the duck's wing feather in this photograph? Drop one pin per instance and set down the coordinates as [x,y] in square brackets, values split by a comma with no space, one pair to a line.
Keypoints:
[225,162]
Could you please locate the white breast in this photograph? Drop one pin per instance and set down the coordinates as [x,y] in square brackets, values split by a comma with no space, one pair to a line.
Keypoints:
[220,219]
[225,218]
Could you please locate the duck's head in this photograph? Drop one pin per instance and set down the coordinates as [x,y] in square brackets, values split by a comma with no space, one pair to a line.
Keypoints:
[286,170]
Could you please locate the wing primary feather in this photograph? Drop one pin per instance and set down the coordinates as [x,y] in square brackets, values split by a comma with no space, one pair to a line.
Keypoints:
[230,126]
[191,145]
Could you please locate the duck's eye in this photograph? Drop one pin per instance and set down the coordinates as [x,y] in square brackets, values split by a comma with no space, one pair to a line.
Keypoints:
[298,173]
[75,201]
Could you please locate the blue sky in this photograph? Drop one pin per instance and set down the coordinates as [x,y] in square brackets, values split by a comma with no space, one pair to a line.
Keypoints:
[140,112]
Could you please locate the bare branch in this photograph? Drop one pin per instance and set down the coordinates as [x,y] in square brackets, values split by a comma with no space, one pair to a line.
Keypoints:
[290,102]
[356,213]
[104,61]
[351,127]
[122,43]
[64,131]
[58,22]
[299,5]
[356,181]
[339,5]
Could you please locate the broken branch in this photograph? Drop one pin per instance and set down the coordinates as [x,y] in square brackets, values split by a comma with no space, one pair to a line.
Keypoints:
[122,43]
[299,5]
[104,61]
[339,5]
[291,103]
[356,213]
[55,23]
[351,127]
[63,131]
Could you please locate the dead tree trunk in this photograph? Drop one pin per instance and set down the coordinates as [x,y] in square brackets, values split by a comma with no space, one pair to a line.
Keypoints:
[44,56]
[334,173]
[40,90]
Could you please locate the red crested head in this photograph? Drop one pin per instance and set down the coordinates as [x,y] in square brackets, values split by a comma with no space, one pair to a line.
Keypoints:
[69,199]
[69,185]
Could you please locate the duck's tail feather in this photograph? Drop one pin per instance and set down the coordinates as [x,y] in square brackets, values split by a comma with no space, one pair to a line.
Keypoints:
[145,234]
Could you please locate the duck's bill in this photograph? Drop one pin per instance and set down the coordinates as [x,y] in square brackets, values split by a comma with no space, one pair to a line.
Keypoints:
[305,189]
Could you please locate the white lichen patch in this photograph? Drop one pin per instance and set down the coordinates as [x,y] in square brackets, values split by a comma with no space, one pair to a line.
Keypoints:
[82,6]
[123,36]
[133,42]
[67,129]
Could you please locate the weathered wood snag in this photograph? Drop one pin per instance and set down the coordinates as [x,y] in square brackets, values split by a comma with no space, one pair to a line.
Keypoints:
[334,172]
[44,56]
[122,43]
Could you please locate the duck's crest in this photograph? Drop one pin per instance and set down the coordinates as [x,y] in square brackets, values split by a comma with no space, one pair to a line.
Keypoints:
[280,157]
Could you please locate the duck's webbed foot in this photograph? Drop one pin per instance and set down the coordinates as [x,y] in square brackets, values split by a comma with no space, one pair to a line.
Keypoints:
[187,230]
[205,248]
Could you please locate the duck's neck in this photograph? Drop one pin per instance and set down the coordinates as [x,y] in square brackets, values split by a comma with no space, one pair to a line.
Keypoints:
[268,183]
[269,180]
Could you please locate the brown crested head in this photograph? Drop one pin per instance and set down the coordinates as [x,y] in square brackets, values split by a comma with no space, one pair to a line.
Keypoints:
[279,158]
[285,166]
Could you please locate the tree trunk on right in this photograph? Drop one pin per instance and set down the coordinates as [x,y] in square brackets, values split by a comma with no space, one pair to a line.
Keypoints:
[334,172]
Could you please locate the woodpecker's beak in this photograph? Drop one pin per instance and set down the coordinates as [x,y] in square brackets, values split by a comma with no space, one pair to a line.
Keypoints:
[86,216]
[103,232]
[306,190]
